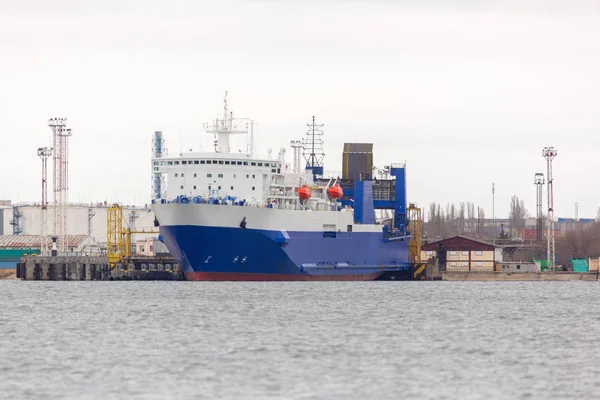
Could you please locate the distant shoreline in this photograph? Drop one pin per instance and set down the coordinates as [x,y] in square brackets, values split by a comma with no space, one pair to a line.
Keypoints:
[8,274]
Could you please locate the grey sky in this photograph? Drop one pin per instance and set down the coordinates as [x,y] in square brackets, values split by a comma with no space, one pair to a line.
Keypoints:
[467,92]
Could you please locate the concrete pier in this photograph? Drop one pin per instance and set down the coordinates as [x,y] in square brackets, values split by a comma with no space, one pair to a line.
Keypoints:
[96,268]
[63,268]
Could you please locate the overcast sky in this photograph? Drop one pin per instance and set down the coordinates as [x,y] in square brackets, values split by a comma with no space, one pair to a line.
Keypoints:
[467,92]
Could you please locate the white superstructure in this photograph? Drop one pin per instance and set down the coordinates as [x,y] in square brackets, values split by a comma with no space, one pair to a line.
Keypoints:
[241,178]
[219,174]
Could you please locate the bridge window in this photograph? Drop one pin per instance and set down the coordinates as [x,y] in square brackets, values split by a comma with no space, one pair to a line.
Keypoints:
[220,175]
[253,164]
[202,162]
[209,175]
[176,162]
[184,162]
[260,164]
[239,163]
[226,162]
[208,161]
[478,253]
[273,170]
[245,162]
[452,253]
[221,162]
[464,253]
[169,162]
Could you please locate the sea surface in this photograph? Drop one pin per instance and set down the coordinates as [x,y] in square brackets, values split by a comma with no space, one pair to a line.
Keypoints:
[299,340]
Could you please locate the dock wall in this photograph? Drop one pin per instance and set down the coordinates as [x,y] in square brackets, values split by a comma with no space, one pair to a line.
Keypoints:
[519,276]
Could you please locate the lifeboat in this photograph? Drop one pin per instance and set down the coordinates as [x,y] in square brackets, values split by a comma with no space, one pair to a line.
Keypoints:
[335,192]
[303,192]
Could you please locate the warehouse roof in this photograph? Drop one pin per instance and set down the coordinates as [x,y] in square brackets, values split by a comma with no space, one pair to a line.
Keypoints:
[459,243]
[28,241]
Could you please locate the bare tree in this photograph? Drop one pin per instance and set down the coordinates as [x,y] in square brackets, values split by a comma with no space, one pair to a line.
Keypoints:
[480,220]
[518,213]
[471,216]
[461,218]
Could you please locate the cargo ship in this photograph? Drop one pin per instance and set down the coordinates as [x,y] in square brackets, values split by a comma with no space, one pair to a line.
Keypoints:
[237,216]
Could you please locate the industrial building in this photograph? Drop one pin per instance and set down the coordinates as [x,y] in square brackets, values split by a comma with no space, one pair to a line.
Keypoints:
[460,253]
[82,219]
[518,266]
[13,247]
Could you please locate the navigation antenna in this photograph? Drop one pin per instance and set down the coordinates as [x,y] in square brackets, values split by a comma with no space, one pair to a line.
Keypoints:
[313,148]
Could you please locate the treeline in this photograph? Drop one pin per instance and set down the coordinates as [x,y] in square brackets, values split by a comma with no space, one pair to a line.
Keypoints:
[582,241]
[469,219]
[451,220]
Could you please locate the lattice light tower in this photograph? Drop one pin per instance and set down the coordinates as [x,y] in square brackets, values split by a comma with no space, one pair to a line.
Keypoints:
[44,153]
[549,153]
[60,158]
[539,181]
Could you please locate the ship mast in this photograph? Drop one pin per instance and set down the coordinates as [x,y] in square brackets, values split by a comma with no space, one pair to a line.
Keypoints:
[226,126]
[312,146]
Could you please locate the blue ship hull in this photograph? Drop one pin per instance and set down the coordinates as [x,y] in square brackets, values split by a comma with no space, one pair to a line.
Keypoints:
[220,253]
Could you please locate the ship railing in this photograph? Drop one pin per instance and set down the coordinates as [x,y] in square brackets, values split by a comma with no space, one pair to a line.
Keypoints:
[310,205]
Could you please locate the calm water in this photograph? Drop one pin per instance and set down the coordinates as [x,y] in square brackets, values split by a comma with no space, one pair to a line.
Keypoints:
[372,340]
